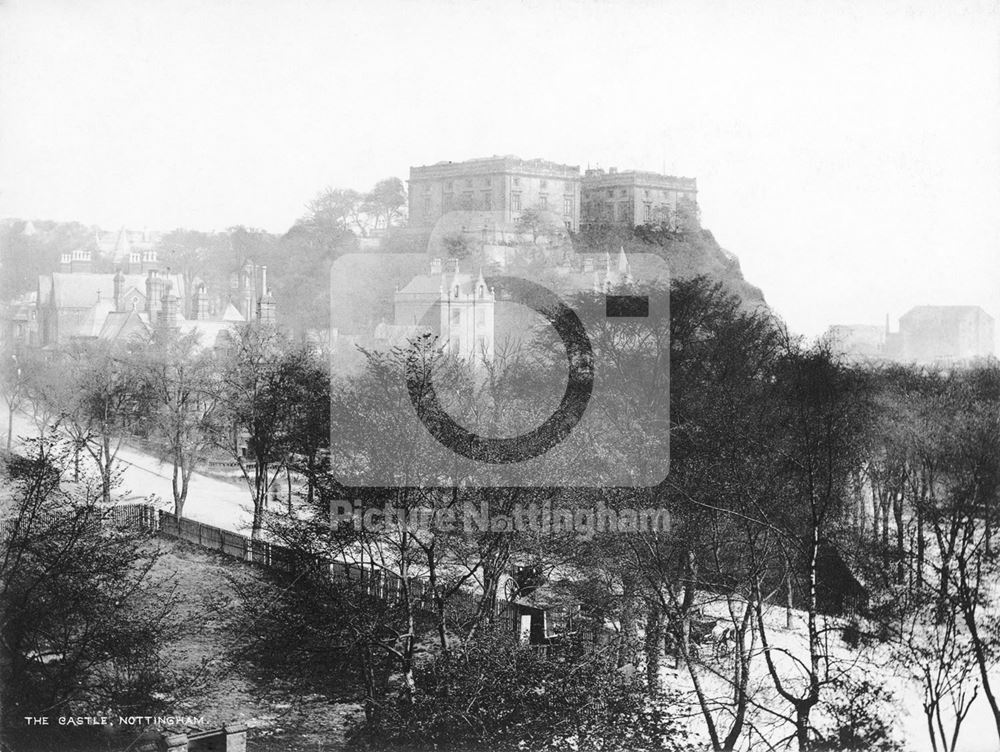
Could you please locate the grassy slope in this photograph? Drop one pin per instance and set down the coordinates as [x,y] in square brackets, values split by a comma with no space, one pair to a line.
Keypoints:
[214,686]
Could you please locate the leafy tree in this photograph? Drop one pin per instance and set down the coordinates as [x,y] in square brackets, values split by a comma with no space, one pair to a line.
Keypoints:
[386,203]
[104,400]
[456,246]
[14,383]
[180,379]
[196,255]
[81,621]
[25,255]
[260,380]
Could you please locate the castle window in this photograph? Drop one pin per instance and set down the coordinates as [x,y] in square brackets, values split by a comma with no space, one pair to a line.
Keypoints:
[567,206]
[517,181]
[487,200]
[543,201]
[543,184]
[515,202]
[648,212]
[427,204]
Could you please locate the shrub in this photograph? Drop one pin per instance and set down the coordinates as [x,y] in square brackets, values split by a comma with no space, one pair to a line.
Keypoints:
[496,694]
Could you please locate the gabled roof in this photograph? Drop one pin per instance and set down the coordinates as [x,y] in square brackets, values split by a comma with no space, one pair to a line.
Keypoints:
[208,331]
[80,290]
[232,314]
[119,323]
[93,322]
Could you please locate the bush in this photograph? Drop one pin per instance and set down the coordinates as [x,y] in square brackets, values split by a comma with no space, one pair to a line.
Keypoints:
[496,694]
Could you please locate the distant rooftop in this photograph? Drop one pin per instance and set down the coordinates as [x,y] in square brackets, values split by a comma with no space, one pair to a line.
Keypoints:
[499,161]
[597,175]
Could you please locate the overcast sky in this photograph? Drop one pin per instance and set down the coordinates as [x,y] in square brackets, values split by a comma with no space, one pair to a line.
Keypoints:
[848,154]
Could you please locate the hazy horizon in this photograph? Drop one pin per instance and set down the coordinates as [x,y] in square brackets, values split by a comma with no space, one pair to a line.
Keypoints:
[848,155]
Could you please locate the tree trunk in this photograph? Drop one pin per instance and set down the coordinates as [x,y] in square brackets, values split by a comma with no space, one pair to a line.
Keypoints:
[653,647]
[897,513]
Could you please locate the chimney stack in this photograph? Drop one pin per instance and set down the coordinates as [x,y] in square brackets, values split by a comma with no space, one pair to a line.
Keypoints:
[80,262]
[168,312]
[119,290]
[154,295]
[265,304]
[200,303]
[265,309]
[149,261]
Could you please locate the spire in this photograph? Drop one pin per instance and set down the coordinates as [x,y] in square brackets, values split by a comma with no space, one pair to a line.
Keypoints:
[123,248]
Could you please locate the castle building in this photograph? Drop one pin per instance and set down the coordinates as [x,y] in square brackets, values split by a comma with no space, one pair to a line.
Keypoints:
[633,197]
[504,184]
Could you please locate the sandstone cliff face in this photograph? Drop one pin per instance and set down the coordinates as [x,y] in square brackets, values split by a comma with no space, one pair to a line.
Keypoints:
[688,254]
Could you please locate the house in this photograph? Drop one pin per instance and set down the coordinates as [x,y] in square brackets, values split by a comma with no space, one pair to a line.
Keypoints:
[79,304]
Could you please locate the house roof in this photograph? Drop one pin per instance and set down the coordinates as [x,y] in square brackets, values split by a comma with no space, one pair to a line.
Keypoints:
[942,313]
[232,313]
[93,322]
[208,330]
[81,290]
[117,322]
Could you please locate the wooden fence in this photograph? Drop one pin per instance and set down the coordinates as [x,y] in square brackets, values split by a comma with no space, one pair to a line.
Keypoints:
[378,583]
